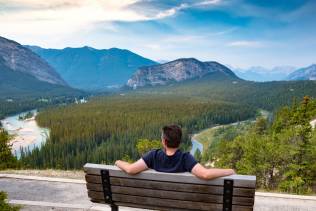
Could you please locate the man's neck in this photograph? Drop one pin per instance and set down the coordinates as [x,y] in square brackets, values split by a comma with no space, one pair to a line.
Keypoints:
[170,151]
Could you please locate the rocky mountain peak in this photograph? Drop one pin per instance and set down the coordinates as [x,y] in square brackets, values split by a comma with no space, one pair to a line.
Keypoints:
[21,59]
[176,71]
[307,73]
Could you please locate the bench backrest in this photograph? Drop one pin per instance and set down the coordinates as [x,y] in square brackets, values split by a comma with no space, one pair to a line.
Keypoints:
[168,191]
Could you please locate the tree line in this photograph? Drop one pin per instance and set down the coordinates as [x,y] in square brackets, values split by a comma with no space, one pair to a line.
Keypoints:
[281,153]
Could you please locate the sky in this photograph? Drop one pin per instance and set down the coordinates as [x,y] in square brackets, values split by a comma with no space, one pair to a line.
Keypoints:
[239,33]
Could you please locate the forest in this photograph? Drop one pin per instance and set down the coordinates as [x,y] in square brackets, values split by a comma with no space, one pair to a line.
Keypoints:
[281,152]
[106,129]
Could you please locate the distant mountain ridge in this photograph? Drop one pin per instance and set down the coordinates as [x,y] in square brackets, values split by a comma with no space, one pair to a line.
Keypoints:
[261,74]
[20,59]
[306,73]
[90,69]
[176,71]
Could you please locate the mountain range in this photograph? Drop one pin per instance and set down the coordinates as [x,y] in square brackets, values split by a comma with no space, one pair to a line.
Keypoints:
[306,73]
[92,69]
[176,71]
[261,74]
[35,69]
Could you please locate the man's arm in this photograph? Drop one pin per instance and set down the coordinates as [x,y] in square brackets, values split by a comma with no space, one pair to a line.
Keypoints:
[132,168]
[207,174]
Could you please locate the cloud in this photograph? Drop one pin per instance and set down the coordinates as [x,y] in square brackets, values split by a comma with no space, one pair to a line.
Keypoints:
[170,12]
[246,43]
[210,2]
[63,10]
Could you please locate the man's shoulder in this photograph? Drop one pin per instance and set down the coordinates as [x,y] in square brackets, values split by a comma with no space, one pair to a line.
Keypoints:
[152,152]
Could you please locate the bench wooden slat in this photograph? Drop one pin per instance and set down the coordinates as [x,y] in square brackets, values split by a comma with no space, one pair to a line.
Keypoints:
[166,202]
[168,194]
[234,207]
[155,185]
[239,180]
[160,208]
[94,187]
[93,179]
[149,207]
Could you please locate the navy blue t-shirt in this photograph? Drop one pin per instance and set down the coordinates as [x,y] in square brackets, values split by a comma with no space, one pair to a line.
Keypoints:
[178,162]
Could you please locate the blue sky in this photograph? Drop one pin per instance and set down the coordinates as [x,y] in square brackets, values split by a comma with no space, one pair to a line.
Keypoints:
[234,32]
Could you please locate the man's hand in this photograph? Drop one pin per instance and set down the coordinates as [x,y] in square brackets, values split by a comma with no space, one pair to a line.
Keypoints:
[132,168]
[207,174]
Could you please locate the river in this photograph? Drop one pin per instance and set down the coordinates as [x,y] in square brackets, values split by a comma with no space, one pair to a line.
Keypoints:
[196,146]
[26,133]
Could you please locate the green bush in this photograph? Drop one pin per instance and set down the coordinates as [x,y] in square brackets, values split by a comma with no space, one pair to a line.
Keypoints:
[4,206]
[6,157]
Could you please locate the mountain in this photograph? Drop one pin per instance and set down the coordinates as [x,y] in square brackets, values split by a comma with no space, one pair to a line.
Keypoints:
[20,59]
[176,71]
[16,84]
[307,73]
[262,74]
[89,68]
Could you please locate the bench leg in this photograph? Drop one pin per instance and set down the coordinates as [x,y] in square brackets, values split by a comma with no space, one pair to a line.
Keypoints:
[114,207]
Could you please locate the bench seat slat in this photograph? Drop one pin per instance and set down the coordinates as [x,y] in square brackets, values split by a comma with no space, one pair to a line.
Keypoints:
[234,207]
[165,202]
[239,180]
[148,207]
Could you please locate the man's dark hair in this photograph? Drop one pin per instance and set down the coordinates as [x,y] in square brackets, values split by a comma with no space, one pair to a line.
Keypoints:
[173,135]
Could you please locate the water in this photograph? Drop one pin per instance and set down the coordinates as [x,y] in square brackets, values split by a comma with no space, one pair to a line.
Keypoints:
[26,133]
[196,146]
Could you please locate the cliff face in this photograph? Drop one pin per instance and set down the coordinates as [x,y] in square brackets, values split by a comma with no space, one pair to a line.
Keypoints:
[176,71]
[21,59]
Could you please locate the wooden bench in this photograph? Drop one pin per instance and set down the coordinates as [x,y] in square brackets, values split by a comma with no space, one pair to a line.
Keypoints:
[168,191]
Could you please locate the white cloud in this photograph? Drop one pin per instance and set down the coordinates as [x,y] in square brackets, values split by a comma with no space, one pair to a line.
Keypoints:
[55,20]
[170,12]
[209,2]
[246,43]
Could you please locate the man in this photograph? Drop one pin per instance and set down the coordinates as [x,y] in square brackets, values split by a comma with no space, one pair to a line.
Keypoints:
[172,159]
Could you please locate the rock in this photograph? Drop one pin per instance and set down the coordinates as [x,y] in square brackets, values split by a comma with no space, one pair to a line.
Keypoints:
[176,71]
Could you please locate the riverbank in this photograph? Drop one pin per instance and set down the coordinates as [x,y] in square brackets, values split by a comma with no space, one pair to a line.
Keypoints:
[206,137]
[25,133]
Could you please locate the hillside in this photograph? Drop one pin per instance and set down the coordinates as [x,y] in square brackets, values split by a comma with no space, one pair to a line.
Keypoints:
[22,60]
[307,73]
[15,84]
[91,69]
[177,71]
